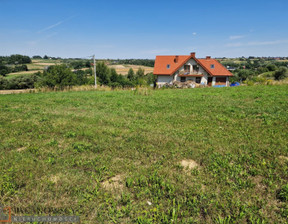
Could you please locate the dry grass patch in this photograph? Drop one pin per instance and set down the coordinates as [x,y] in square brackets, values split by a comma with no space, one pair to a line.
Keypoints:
[21,149]
[189,164]
[283,158]
[54,178]
[114,183]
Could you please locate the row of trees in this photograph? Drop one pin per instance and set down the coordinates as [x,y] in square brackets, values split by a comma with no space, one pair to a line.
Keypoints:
[144,62]
[62,75]
[107,76]
[13,63]
[4,69]
[19,82]
[250,69]
[15,59]
[278,73]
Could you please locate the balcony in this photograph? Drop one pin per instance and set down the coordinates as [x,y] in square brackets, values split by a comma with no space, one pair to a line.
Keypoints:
[184,73]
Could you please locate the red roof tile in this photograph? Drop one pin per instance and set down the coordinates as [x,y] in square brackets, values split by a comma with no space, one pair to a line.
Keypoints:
[168,65]
[161,62]
[217,70]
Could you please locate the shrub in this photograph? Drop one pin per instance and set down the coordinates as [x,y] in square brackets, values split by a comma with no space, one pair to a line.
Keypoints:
[58,76]
[282,194]
[281,73]
[271,67]
[3,83]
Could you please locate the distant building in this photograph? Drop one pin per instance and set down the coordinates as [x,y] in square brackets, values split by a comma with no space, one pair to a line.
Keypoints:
[182,68]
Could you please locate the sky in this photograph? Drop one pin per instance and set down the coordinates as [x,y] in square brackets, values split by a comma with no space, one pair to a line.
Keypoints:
[143,29]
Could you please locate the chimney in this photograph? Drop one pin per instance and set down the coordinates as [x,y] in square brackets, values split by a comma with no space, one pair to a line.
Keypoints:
[176,59]
[193,54]
[208,57]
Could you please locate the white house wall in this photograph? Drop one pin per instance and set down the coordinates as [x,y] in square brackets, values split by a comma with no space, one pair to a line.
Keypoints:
[163,79]
[192,62]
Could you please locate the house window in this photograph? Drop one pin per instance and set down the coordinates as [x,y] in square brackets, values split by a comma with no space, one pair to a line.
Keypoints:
[187,68]
[183,79]
[168,66]
[195,68]
[198,79]
[212,66]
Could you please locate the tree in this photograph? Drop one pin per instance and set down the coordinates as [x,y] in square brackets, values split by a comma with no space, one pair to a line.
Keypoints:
[113,75]
[4,70]
[244,74]
[281,73]
[37,57]
[88,64]
[81,77]
[103,73]
[131,75]
[45,57]
[19,59]
[151,78]
[3,83]
[271,67]
[58,76]
[140,73]
[261,70]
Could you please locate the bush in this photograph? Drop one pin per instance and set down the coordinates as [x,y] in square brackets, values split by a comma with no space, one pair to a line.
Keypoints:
[271,67]
[58,76]
[19,82]
[281,73]
[244,74]
[81,77]
[4,70]
[23,82]
[3,83]
[20,68]
[282,194]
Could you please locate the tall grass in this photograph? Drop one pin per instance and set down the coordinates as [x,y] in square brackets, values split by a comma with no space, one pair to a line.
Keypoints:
[115,156]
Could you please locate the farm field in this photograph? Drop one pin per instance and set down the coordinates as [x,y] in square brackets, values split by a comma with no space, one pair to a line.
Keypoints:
[34,67]
[39,65]
[207,155]
[123,69]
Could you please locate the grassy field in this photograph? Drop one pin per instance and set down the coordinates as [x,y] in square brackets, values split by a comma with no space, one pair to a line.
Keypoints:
[16,74]
[35,66]
[212,155]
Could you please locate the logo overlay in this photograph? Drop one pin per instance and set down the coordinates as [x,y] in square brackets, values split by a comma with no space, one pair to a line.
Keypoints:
[6,217]
[5,214]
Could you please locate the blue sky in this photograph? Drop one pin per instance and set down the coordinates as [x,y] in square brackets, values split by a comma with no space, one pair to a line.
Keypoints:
[144,29]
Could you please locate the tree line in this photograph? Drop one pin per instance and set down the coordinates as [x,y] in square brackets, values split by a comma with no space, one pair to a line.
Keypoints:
[248,69]
[60,76]
[143,62]
[13,63]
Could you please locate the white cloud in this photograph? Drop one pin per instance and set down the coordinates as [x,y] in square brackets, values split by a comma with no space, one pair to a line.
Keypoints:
[236,37]
[55,25]
[194,33]
[50,27]
[257,43]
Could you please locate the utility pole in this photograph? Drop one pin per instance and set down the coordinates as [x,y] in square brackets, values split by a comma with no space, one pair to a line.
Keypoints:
[95,71]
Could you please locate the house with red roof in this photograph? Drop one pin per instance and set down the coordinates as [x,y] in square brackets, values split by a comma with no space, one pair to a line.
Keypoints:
[182,68]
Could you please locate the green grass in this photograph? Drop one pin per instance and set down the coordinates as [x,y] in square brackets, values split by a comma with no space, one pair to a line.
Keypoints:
[268,74]
[115,157]
[14,75]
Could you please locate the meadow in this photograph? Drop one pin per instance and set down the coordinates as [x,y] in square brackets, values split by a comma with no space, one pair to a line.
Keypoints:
[207,155]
